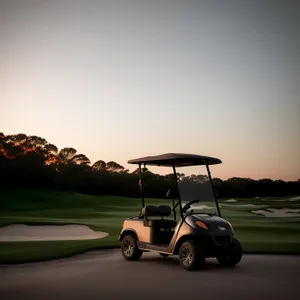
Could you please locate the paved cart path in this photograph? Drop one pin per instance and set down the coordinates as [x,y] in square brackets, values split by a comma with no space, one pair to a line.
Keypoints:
[106,275]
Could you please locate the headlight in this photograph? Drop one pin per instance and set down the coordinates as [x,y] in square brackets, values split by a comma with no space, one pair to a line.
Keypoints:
[201,224]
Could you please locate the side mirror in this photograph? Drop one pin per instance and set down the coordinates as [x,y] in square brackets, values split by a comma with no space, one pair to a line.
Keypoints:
[172,194]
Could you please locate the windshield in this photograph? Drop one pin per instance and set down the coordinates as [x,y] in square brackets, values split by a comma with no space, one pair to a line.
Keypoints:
[197,187]
[193,184]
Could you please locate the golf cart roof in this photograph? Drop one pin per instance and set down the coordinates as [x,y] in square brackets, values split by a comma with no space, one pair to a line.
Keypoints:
[176,159]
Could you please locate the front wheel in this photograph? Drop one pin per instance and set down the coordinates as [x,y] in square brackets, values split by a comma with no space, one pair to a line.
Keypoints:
[191,255]
[129,248]
[234,255]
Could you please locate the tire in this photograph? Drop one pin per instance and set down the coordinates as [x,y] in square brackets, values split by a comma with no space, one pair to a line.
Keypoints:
[164,255]
[234,255]
[129,248]
[191,255]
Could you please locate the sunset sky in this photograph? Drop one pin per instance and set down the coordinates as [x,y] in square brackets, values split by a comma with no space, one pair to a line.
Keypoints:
[123,79]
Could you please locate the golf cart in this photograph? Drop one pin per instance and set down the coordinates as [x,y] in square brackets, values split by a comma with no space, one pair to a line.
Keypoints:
[200,232]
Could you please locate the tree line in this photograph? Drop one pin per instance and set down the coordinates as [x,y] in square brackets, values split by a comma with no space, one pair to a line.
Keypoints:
[28,161]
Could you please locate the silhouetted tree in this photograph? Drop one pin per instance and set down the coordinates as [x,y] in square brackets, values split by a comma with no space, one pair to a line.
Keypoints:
[33,142]
[68,156]
[99,165]
[51,148]
[112,166]
[65,155]
[80,159]
[31,162]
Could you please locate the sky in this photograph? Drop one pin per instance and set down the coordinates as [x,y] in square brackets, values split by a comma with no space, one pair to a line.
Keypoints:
[118,80]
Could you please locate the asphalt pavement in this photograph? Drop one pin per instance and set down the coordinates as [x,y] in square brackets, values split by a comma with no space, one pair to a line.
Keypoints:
[106,275]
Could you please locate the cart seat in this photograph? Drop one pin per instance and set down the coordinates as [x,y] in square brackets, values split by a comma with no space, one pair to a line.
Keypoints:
[159,212]
[152,211]
[165,211]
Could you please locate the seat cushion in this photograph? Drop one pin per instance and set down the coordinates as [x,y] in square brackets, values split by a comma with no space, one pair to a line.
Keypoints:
[165,211]
[154,211]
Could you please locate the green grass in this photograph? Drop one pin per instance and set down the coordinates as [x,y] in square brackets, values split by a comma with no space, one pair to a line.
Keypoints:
[20,252]
[257,234]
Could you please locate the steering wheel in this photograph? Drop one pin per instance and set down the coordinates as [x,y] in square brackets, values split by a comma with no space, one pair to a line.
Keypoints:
[188,205]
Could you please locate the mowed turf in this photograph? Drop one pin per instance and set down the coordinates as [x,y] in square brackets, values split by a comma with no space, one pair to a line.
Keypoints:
[257,234]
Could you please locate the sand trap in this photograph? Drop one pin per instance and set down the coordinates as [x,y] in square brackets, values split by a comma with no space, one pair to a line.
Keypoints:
[278,213]
[203,207]
[231,200]
[246,205]
[20,232]
[280,200]
[295,198]
[199,207]
[284,200]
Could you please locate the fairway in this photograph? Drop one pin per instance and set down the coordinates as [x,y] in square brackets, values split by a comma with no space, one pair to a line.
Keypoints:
[258,234]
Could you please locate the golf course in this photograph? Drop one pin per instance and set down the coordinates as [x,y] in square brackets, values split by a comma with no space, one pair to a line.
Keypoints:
[263,225]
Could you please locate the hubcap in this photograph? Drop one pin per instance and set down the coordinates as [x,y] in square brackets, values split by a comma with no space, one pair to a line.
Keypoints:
[128,247]
[186,256]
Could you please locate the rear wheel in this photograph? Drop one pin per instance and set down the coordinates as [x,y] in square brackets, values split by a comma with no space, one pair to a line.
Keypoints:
[191,255]
[129,248]
[234,255]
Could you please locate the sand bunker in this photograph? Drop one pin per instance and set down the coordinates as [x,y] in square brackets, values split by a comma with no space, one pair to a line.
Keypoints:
[203,207]
[245,205]
[20,232]
[249,205]
[278,213]
[231,200]
[295,198]
[284,200]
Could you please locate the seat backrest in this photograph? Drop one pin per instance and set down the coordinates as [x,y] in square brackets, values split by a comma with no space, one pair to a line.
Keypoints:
[164,210]
[150,210]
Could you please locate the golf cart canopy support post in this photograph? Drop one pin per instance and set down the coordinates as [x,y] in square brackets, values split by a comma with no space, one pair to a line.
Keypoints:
[141,185]
[177,187]
[212,186]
